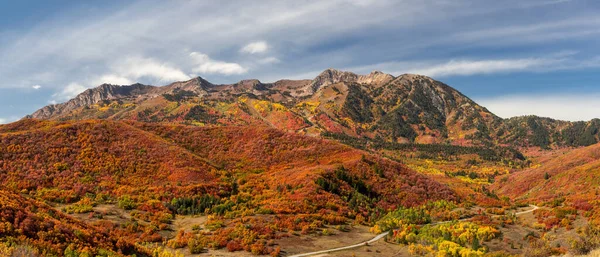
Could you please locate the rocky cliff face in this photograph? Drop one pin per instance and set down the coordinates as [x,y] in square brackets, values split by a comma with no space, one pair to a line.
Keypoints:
[332,76]
[375,78]
[197,85]
[93,96]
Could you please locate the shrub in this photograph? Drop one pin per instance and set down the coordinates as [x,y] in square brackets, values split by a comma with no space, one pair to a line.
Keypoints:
[161,252]
[181,240]
[197,244]
[84,205]
[589,239]
[126,203]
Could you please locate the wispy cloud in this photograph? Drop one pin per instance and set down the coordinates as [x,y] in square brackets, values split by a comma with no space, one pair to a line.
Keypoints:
[269,60]
[544,3]
[562,29]
[562,60]
[255,47]
[206,65]
[68,92]
[471,67]
[572,107]
[88,47]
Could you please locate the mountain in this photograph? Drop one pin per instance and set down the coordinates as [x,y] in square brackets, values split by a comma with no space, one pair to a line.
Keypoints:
[548,133]
[261,161]
[406,109]
[571,175]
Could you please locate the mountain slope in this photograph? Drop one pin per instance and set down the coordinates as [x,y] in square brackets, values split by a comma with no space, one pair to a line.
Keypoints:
[82,156]
[548,133]
[573,175]
[72,159]
[298,160]
[47,232]
[274,180]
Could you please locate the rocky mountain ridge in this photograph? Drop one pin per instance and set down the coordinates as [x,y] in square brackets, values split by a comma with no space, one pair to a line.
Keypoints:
[408,108]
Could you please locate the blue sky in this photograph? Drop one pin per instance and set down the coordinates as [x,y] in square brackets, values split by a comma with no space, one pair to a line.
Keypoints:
[514,57]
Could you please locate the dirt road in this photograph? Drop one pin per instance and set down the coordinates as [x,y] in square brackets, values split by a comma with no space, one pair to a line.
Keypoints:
[382,235]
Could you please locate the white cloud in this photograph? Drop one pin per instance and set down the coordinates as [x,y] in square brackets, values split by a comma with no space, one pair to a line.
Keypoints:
[269,60]
[89,45]
[36,87]
[562,60]
[126,71]
[9,119]
[206,65]
[471,67]
[68,92]
[255,47]
[134,68]
[112,79]
[557,106]
[543,3]
[557,61]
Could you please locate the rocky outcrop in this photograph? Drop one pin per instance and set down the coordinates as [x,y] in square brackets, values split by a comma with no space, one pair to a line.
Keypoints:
[332,76]
[93,96]
[376,78]
[197,85]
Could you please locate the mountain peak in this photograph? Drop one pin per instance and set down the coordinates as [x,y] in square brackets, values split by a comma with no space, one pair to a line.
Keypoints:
[197,85]
[250,84]
[93,96]
[110,91]
[375,78]
[334,71]
[412,76]
[201,81]
[332,76]
[250,81]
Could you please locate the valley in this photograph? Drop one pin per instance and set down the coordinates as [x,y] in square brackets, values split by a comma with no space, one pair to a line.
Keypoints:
[407,164]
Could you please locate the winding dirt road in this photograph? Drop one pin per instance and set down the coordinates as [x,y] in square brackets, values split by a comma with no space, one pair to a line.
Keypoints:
[382,235]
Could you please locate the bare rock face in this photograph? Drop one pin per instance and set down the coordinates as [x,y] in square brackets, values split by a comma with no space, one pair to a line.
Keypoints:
[332,76]
[93,96]
[45,112]
[250,85]
[376,78]
[200,87]
[197,85]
